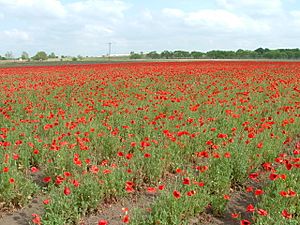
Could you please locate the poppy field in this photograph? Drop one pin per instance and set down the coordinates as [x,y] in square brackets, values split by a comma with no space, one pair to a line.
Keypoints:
[188,134]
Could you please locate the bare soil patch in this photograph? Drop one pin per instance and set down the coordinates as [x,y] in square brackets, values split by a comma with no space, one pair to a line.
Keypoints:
[24,215]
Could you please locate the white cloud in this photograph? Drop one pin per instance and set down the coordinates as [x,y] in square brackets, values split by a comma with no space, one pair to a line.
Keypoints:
[295,17]
[98,8]
[173,12]
[147,15]
[265,7]
[271,4]
[15,34]
[33,8]
[217,20]
[93,30]
[295,14]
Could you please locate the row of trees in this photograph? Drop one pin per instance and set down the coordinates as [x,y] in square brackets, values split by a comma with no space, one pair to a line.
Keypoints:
[260,53]
[41,55]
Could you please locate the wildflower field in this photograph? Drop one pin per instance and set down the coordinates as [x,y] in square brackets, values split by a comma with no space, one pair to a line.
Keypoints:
[188,134]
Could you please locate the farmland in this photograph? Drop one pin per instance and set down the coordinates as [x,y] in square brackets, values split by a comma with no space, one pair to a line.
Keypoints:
[188,134]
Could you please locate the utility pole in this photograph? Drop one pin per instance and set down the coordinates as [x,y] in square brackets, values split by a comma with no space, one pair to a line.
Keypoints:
[109,49]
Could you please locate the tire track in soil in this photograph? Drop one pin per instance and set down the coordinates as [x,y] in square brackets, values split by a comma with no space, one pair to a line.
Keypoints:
[114,212]
[237,204]
[23,216]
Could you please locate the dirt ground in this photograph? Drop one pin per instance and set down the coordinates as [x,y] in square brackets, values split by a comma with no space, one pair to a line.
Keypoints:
[22,216]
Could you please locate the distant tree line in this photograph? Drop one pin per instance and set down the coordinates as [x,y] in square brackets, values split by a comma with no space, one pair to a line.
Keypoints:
[40,56]
[260,53]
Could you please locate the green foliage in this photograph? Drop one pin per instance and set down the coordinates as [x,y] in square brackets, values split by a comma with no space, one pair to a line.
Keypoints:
[166,54]
[9,55]
[40,56]
[153,55]
[17,191]
[25,56]
[52,56]
[197,55]
[135,55]
[260,53]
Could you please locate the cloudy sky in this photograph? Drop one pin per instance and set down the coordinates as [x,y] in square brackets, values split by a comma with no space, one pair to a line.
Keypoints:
[73,27]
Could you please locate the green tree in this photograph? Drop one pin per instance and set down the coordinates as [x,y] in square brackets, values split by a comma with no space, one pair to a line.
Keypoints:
[52,56]
[24,56]
[181,54]
[9,55]
[40,56]
[153,55]
[166,54]
[260,51]
[197,55]
[134,55]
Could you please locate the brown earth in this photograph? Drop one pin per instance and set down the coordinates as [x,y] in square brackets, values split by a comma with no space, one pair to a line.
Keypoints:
[22,216]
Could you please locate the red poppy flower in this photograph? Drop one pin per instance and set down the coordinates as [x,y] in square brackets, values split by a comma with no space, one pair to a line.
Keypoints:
[251,135]
[129,156]
[253,176]
[11,180]
[94,169]
[67,191]
[260,145]
[36,151]
[161,187]
[285,214]
[262,212]
[186,181]
[15,156]
[151,189]
[191,193]
[258,192]
[250,208]
[102,222]
[235,215]
[176,194]
[147,155]
[126,219]
[227,155]
[226,197]
[273,176]
[75,183]
[47,179]
[46,201]
[222,135]
[249,189]
[245,222]
[36,219]
[34,169]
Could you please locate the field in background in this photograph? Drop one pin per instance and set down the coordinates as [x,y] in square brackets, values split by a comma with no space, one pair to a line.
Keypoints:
[189,134]
[120,59]
[64,61]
